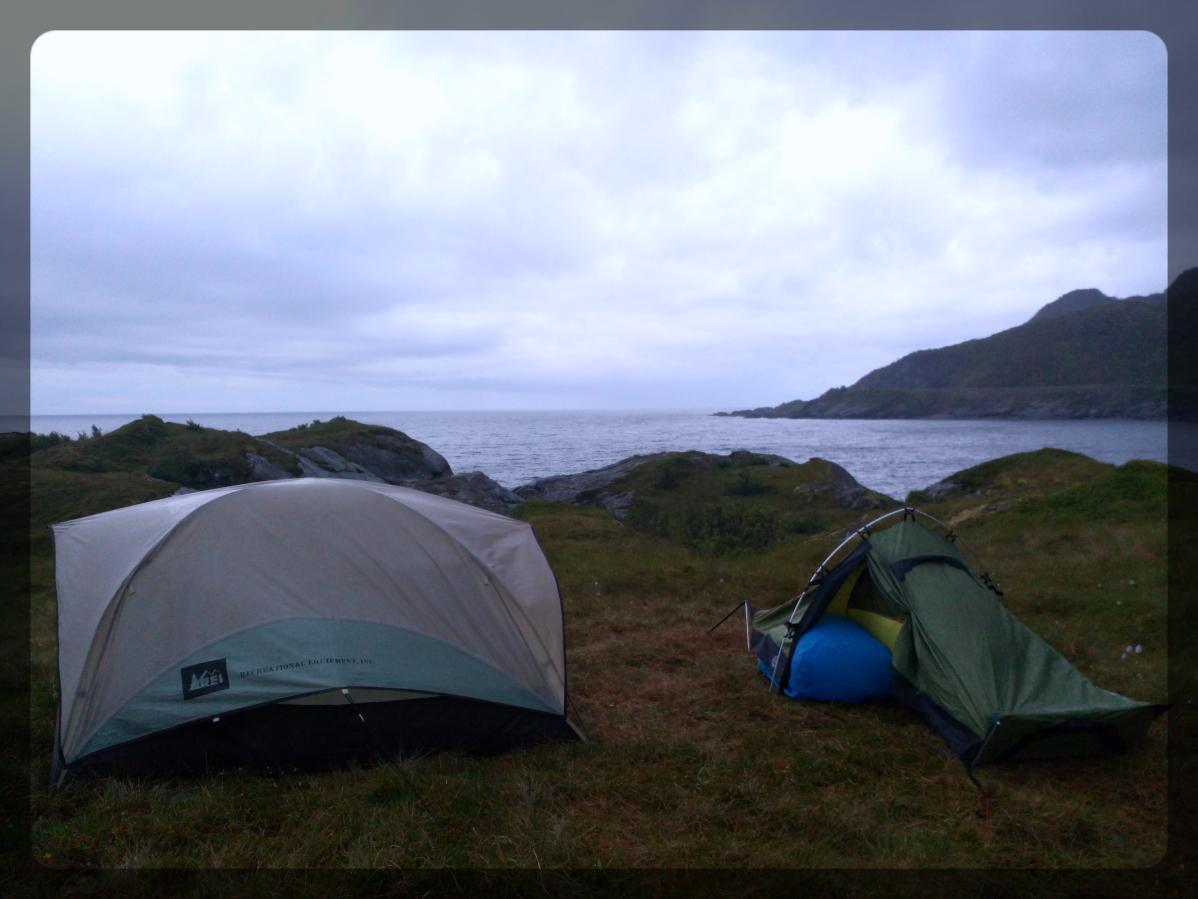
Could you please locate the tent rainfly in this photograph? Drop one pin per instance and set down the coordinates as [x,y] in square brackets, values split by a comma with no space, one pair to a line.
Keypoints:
[992,688]
[291,623]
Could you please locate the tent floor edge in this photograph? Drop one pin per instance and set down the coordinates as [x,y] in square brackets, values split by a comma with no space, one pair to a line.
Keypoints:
[1073,737]
[281,736]
[960,739]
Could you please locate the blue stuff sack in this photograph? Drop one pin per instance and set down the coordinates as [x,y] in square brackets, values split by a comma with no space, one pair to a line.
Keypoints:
[838,661]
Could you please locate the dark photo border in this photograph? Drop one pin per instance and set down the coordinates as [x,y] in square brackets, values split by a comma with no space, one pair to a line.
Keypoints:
[1174,21]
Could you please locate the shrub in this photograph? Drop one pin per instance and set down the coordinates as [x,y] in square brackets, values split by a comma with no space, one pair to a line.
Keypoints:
[802,523]
[147,430]
[667,479]
[45,441]
[744,485]
[670,476]
[727,529]
[649,518]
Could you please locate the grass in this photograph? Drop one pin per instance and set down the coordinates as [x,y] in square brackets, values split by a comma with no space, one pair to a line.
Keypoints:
[691,764]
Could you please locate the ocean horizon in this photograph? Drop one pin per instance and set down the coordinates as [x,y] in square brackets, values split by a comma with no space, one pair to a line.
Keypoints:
[515,447]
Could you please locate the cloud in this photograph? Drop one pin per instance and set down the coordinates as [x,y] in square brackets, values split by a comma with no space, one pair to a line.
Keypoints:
[251,221]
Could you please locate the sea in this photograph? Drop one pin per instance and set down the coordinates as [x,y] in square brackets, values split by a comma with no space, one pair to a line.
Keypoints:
[893,457]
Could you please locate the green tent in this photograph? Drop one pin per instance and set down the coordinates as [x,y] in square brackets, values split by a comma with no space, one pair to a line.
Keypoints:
[991,687]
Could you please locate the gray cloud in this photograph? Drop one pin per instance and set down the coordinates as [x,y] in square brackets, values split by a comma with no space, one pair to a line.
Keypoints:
[425,220]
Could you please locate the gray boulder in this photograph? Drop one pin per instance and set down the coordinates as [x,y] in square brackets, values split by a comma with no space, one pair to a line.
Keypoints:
[322,462]
[588,487]
[400,459]
[381,454]
[392,457]
[473,488]
[262,469]
[746,457]
[943,490]
[841,488]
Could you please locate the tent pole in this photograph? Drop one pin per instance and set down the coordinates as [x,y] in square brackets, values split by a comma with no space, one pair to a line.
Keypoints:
[791,619]
[858,533]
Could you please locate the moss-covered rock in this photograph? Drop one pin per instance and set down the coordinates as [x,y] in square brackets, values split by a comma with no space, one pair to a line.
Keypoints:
[1000,481]
[741,502]
[342,447]
[200,458]
[184,454]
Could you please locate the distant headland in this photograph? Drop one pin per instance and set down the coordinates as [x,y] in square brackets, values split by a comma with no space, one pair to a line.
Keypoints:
[1084,355]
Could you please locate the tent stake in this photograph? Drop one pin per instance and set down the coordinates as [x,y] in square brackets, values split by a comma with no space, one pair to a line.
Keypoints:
[582,724]
[976,782]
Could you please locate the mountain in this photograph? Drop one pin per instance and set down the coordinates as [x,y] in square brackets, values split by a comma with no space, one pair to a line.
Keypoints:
[1084,355]
[1086,299]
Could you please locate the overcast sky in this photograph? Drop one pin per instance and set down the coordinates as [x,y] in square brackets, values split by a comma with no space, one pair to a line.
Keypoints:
[356,221]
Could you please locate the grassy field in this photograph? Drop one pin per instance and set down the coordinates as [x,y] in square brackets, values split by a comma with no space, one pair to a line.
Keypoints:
[691,763]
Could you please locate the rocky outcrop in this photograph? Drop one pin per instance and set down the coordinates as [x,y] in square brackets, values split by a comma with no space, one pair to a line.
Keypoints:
[192,457]
[585,487]
[944,489]
[601,486]
[373,453]
[262,469]
[345,449]
[396,458]
[841,488]
[322,462]
[770,460]
[591,487]
[474,488]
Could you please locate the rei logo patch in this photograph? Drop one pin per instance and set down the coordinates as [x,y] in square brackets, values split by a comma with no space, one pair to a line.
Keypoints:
[206,677]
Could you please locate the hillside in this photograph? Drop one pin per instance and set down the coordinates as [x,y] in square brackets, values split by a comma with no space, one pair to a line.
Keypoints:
[1084,355]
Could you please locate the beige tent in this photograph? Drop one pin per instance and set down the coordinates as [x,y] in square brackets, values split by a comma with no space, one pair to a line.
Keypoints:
[294,621]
